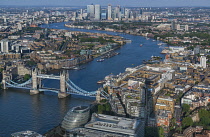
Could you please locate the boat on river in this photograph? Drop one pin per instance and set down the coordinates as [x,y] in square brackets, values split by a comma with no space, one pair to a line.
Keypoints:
[109,55]
[100,60]
[101,82]
[78,68]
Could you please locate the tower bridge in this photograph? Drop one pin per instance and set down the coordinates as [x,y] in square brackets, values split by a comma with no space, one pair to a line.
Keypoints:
[67,87]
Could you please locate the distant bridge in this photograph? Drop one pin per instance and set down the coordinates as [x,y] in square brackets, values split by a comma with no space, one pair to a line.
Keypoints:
[66,85]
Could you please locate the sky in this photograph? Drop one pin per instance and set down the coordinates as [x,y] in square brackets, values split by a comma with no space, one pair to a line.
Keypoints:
[132,3]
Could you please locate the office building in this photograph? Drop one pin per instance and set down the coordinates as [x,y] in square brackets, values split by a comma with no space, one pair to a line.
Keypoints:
[122,12]
[178,27]
[5,20]
[197,50]
[97,12]
[186,28]
[5,45]
[19,26]
[113,124]
[173,25]
[117,13]
[109,15]
[203,61]
[103,14]
[127,13]
[91,11]
[76,117]
[165,103]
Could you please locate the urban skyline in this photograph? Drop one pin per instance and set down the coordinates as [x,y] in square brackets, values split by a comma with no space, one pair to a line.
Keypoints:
[132,3]
[153,64]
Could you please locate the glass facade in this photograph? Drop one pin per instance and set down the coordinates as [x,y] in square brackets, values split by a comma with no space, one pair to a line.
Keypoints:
[76,117]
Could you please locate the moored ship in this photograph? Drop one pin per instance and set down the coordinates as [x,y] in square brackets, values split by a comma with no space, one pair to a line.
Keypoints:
[100,60]
[101,82]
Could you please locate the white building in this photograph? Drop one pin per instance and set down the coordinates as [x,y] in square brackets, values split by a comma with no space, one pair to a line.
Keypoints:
[5,45]
[97,12]
[109,12]
[113,124]
[176,49]
[186,28]
[19,26]
[203,61]
[91,11]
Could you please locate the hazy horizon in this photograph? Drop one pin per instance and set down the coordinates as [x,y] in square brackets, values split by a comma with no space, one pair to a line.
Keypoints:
[130,3]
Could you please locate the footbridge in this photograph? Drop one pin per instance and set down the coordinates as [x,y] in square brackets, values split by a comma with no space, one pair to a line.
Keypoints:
[67,87]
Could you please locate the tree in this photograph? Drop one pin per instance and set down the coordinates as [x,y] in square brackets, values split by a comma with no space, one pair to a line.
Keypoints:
[30,63]
[151,131]
[185,108]
[106,89]
[1,69]
[196,82]
[203,113]
[107,107]
[26,77]
[101,108]
[205,121]
[187,121]
[161,132]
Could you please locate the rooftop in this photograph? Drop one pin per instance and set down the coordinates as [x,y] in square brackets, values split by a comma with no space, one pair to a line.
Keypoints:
[80,109]
[113,124]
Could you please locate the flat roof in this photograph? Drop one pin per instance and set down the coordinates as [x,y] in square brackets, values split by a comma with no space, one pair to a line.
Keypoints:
[115,124]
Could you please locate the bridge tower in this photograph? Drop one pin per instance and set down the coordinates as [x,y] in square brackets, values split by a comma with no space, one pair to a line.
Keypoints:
[5,77]
[34,89]
[98,95]
[64,75]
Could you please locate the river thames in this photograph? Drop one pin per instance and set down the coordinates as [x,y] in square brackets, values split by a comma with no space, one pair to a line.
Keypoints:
[21,111]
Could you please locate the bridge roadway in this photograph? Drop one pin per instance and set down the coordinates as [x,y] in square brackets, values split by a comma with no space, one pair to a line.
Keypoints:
[48,76]
[66,85]
[49,89]
[57,91]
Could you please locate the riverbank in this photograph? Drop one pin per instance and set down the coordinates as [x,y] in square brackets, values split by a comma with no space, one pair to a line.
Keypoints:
[46,110]
[76,47]
[130,32]
[106,29]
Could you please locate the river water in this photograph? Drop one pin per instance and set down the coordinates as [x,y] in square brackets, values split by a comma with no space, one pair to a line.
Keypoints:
[20,111]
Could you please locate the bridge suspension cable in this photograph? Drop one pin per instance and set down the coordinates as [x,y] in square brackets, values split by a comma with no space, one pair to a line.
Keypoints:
[18,86]
[78,90]
[14,84]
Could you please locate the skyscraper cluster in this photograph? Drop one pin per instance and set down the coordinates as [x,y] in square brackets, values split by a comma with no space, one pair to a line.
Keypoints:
[95,12]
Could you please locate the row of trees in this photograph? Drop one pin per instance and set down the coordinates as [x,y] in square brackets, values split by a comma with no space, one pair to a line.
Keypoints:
[154,132]
[104,107]
[204,116]
[100,39]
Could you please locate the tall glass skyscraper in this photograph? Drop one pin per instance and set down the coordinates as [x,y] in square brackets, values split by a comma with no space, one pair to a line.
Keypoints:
[103,14]
[109,16]
[97,12]
[91,11]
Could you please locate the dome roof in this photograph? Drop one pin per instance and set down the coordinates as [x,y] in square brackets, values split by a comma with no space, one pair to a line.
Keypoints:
[76,117]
